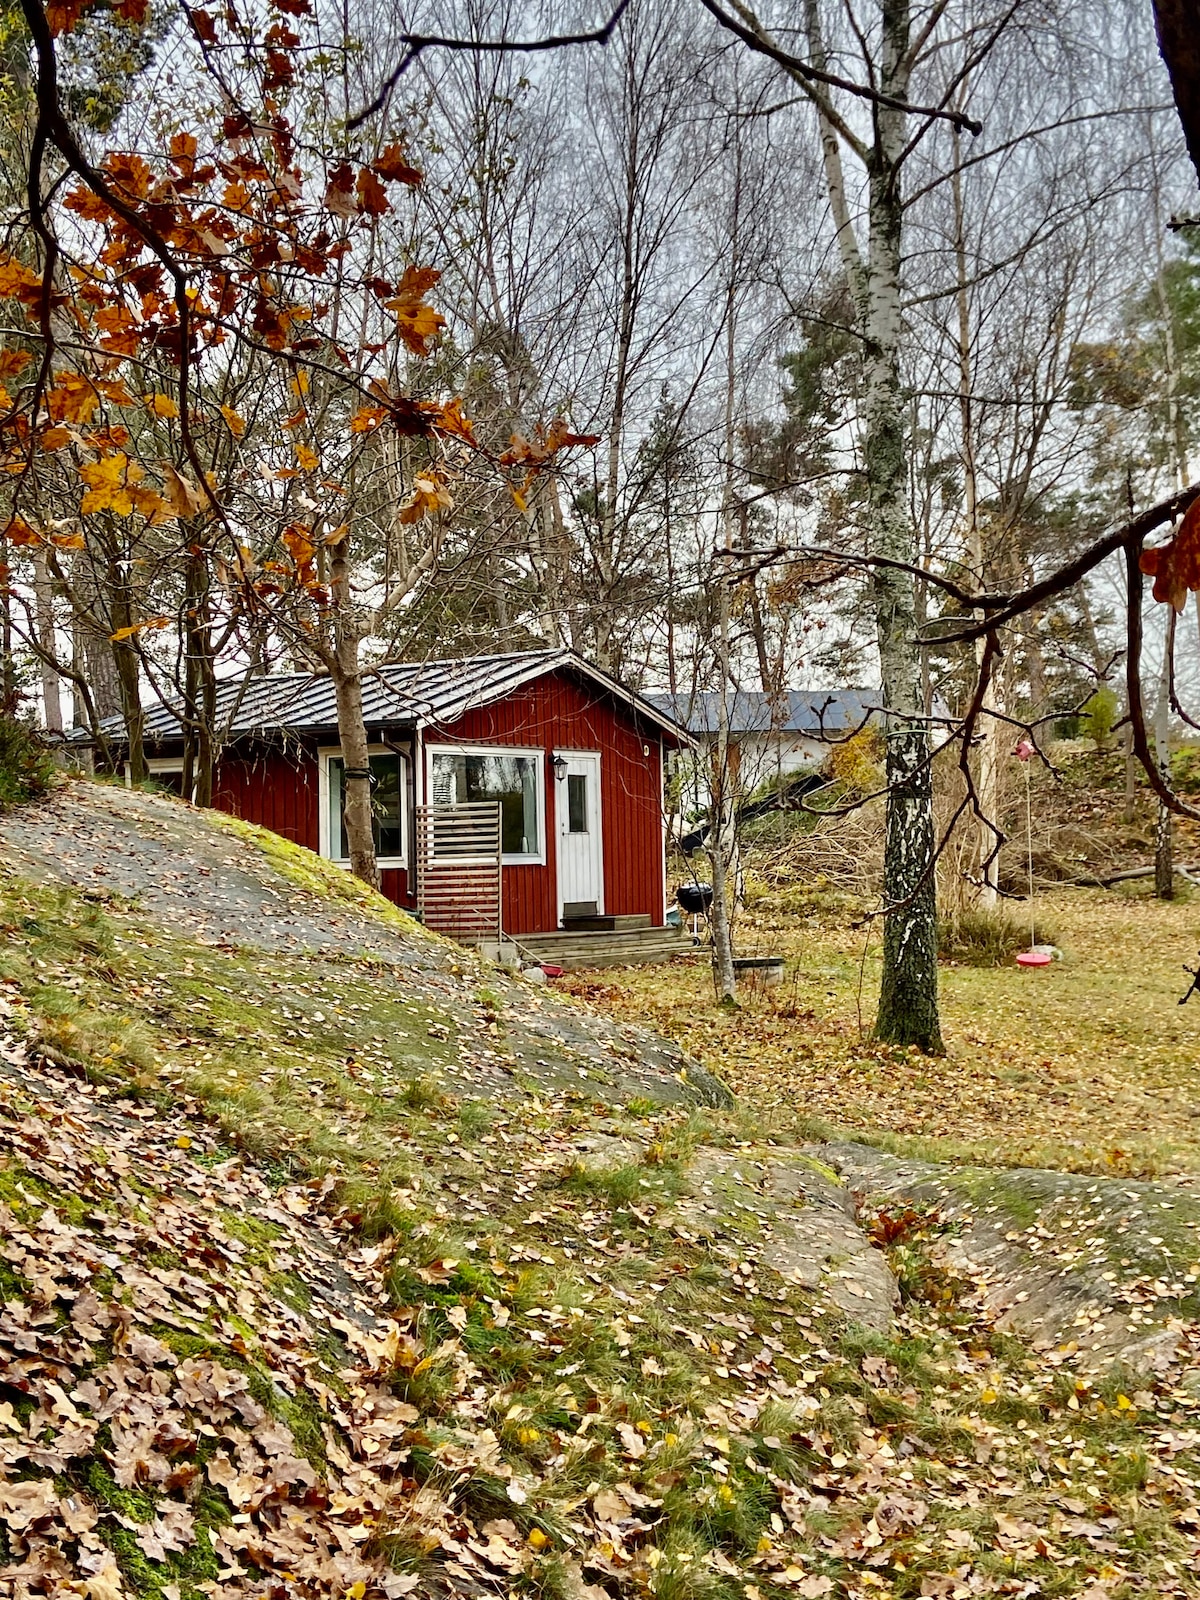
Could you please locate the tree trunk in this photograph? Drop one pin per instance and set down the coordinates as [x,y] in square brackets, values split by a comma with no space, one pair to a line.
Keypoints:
[123,614]
[43,593]
[987,782]
[356,773]
[200,685]
[352,732]
[1164,867]
[8,668]
[908,999]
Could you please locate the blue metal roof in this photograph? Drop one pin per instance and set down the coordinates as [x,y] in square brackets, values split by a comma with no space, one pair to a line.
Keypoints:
[817,713]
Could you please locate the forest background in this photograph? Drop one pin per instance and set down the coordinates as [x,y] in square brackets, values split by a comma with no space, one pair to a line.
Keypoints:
[731,351]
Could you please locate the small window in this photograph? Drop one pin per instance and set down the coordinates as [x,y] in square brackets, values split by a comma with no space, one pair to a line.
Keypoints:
[460,777]
[387,798]
[577,809]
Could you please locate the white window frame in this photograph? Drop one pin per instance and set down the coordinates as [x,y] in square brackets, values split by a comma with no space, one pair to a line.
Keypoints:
[538,757]
[327,752]
[156,765]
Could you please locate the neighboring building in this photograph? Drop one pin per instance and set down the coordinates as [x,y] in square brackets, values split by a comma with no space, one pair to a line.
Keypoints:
[561,762]
[772,736]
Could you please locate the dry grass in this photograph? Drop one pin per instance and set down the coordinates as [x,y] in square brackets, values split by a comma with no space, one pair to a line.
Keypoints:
[1091,1064]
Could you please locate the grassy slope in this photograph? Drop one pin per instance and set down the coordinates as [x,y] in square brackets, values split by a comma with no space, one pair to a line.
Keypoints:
[675,1420]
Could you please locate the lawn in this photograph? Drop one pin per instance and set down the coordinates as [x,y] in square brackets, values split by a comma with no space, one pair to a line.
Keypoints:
[1091,1064]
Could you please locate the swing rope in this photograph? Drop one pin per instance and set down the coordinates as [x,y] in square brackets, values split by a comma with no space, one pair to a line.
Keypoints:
[1029,838]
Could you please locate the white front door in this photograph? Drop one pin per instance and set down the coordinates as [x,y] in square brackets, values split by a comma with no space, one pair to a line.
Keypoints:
[580,847]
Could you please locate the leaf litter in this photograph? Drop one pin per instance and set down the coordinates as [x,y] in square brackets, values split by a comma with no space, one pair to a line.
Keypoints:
[548,1354]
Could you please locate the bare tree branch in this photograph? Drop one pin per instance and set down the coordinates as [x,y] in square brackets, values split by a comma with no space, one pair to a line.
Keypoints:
[804,69]
[415,43]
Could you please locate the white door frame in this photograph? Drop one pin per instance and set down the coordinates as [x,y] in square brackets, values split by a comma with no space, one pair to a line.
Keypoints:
[561,819]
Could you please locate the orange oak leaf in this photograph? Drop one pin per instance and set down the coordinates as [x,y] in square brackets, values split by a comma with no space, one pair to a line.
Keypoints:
[62,15]
[139,627]
[1175,566]
[450,419]
[430,495]
[72,399]
[392,166]
[161,405]
[19,532]
[234,421]
[339,191]
[417,322]
[300,547]
[371,195]
[307,457]
[203,26]
[17,281]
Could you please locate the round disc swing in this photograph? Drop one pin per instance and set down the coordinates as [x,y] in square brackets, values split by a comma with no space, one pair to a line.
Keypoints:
[1033,957]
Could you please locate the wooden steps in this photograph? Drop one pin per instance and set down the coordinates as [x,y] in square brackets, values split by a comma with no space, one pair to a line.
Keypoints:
[602,924]
[578,950]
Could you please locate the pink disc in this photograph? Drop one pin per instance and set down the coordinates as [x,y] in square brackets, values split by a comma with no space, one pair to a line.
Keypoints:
[1033,958]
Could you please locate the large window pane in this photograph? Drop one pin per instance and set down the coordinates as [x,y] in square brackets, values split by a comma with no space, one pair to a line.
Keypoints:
[512,780]
[387,799]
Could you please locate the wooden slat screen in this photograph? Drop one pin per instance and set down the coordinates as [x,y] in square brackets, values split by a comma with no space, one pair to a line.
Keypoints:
[459,868]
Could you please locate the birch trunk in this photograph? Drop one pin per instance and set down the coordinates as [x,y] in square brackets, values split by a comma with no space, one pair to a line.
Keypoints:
[987,862]
[1164,864]
[908,999]
[722,836]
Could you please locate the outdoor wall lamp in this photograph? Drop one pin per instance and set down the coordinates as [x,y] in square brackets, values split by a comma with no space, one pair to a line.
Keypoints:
[559,763]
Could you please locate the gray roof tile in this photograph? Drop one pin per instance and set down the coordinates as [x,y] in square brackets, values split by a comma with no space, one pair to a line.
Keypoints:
[402,695]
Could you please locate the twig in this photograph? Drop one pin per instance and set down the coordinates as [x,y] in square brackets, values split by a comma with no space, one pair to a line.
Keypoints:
[415,43]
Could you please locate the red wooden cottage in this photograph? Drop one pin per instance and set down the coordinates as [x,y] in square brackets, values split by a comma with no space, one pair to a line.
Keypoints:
[521,790]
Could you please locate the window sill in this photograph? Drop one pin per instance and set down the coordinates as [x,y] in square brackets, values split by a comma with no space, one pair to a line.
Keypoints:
[384,863]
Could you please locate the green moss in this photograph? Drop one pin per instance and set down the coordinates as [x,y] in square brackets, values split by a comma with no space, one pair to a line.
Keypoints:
[310,871]
[187,1568]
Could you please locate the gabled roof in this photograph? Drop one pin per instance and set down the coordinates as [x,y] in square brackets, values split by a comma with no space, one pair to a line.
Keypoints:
[408,694]
[819,713]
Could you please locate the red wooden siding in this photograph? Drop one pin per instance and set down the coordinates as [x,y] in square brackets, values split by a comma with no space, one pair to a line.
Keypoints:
[558,713]
[276,790]
[279,792]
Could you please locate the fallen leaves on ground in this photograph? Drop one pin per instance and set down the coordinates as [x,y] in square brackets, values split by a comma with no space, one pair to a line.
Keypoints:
[1088,1064]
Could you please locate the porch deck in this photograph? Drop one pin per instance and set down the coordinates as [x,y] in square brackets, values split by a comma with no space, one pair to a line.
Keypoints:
[604,942]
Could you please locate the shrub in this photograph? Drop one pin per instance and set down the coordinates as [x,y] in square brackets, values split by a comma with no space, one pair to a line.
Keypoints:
[986,938]
[25,768]
[1099,717]
[857,762]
